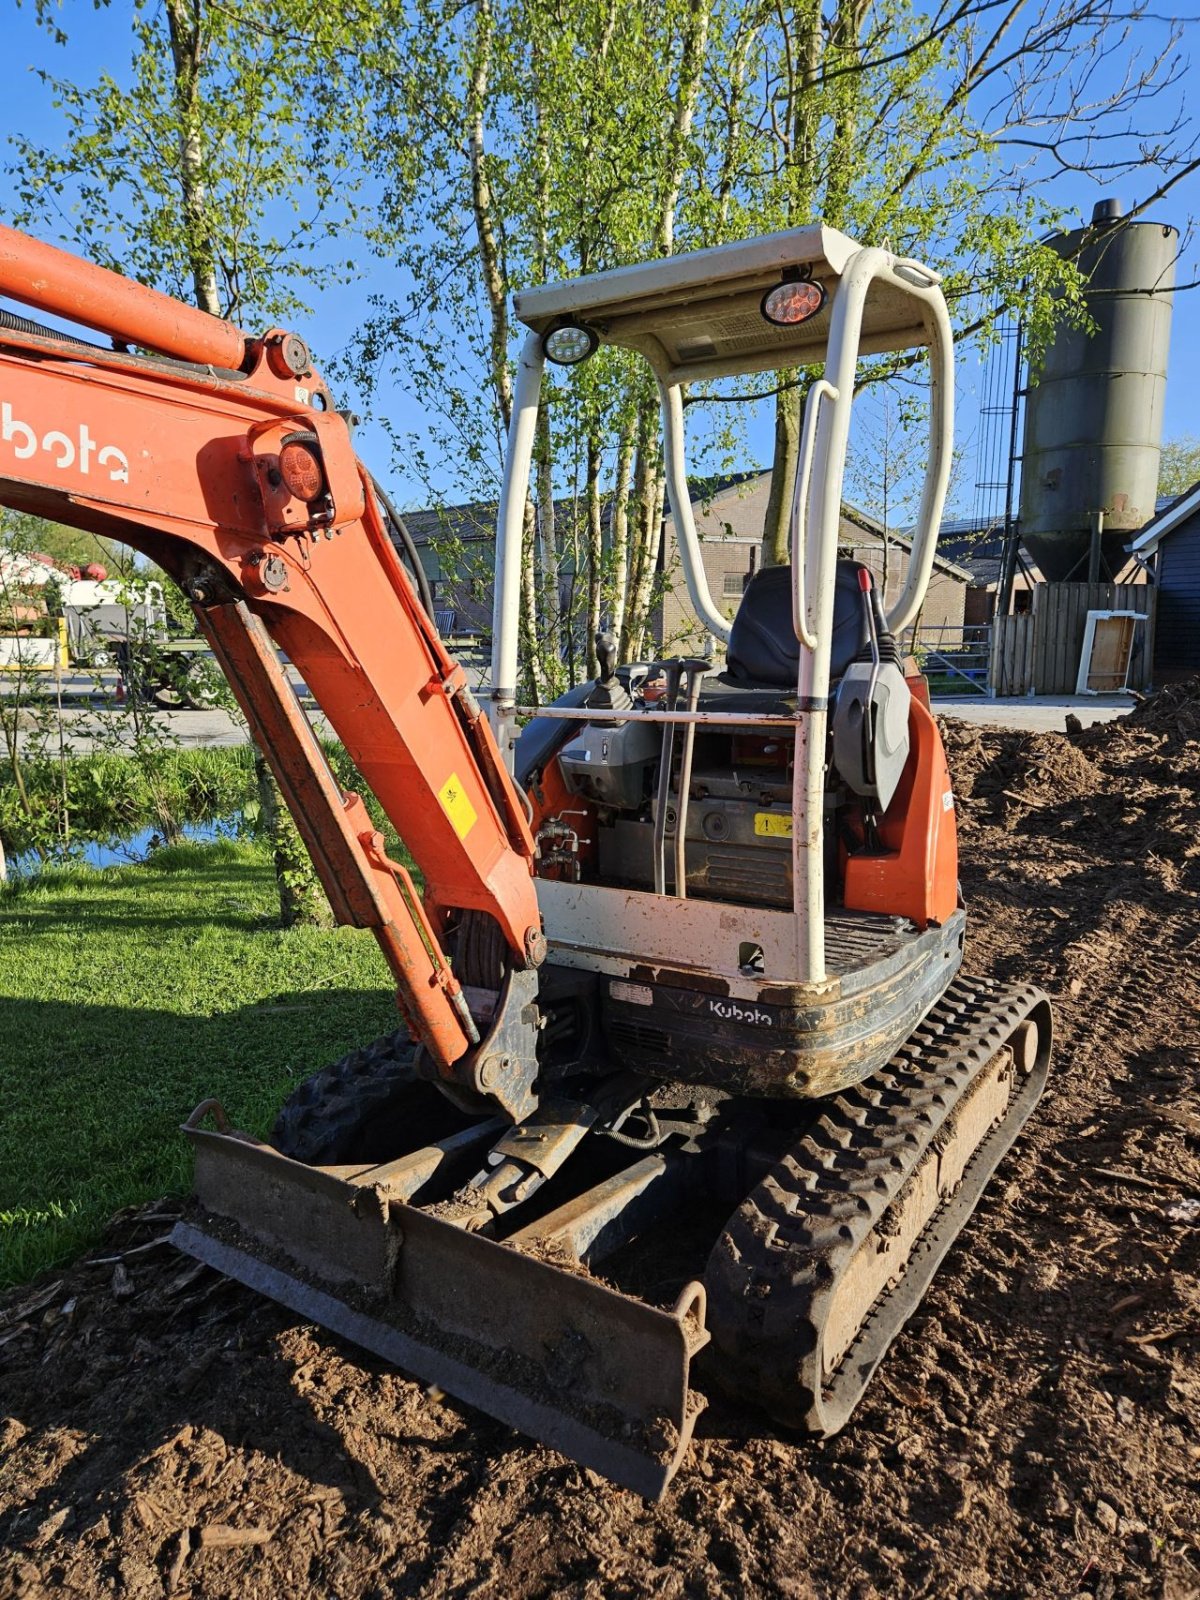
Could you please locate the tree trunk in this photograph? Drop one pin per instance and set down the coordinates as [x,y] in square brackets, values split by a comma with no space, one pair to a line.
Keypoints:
[530,631]
[800,162]
[301,897]
[687,93]
[488,242]
[619,554]
[777,518]
[546,551]
[648,512]
[187,47]
[637,548]
[595,550]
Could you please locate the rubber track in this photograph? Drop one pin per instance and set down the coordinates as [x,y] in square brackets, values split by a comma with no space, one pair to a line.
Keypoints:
[771,1272]
[323,1118]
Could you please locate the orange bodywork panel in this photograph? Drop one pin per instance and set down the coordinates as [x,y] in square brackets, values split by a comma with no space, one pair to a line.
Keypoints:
[916,873]
[182,463]
[918,684]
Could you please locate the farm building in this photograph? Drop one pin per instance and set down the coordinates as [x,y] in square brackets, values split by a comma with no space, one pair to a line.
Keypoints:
[978,547]
[1169,549]
[457,545]
[729,520]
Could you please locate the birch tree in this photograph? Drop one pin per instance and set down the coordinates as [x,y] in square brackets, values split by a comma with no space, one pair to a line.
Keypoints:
[215,176]
[938,132]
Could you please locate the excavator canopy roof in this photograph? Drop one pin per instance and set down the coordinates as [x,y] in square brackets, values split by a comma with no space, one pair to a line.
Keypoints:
[700,316]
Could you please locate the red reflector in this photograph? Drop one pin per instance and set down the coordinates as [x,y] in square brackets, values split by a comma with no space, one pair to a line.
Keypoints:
[300,469]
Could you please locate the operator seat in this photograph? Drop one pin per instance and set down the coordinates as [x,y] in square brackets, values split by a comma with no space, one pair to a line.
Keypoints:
[764,652]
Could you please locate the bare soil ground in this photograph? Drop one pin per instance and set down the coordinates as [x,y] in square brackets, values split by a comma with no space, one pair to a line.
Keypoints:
[1033,1431]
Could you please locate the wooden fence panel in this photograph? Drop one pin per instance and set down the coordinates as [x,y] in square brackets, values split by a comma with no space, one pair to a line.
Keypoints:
[1059,618]
[1012,655]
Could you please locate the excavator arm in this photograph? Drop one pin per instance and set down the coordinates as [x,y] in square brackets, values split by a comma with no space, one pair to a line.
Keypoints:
[221,458]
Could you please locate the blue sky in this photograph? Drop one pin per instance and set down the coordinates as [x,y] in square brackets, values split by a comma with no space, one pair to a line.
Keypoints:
[99,41]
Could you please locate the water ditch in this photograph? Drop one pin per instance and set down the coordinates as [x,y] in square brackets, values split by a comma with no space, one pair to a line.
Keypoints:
[137,847]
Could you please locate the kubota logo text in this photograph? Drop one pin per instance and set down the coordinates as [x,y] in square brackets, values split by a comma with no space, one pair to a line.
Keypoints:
[730,1011]
[64,449]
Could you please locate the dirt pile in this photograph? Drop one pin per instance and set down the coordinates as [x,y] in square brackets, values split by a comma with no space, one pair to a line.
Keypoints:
[1033,1431]
[1174,711]
[1125,792]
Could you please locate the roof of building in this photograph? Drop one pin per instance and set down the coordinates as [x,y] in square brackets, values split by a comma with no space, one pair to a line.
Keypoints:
[978,546]
[708,490]
[475,522]
[873,526]
[977,543]
[1169,515]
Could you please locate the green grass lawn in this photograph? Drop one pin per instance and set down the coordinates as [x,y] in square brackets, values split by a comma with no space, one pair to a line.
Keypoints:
[130,994]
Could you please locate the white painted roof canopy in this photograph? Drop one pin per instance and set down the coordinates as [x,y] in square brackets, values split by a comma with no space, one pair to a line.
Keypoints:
[698,316]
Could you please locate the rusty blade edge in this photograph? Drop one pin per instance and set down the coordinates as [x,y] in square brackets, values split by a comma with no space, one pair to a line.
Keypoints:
[632,1469]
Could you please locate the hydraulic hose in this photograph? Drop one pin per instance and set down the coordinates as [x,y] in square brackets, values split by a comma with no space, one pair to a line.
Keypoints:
[410,549]
[10,322]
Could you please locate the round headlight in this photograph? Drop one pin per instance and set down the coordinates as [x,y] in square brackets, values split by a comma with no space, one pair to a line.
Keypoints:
[569,344]
[790,303]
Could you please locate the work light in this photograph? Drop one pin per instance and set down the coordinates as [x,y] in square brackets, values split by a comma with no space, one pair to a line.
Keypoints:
[793,301]
[300,469]
[569,343]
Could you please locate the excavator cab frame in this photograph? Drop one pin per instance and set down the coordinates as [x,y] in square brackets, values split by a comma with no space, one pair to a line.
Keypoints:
[700,317]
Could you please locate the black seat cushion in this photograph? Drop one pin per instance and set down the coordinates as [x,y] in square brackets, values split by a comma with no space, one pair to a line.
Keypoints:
[763,649]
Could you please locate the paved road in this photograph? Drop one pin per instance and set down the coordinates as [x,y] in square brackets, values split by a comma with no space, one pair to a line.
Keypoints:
[88,729]
[107,730]
[92,721]
[1043,714]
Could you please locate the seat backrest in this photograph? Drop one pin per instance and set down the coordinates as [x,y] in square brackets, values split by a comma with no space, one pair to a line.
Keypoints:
[763,649]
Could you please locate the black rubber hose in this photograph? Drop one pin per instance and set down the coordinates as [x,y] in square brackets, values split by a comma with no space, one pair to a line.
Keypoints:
[12,323]
[889,650]
[410,549]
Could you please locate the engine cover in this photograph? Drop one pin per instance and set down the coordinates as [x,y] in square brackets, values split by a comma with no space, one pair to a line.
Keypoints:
[611,763]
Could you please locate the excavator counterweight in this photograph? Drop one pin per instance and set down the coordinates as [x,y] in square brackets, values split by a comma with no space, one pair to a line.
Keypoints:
[690,1071]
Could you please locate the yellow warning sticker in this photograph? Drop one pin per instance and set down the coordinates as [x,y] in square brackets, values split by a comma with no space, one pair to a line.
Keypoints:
[457,807]
[773,824]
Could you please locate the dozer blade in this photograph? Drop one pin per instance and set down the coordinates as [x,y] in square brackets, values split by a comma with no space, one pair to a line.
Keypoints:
[596,1375]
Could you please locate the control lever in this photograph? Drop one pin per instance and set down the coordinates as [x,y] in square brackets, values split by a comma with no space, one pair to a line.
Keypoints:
[694,671]
[670,699]
[608,692]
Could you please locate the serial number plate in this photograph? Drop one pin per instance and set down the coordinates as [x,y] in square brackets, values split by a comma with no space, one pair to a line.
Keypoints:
[638,994]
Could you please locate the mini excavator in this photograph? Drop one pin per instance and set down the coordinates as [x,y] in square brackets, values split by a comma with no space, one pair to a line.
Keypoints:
[689,1071]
